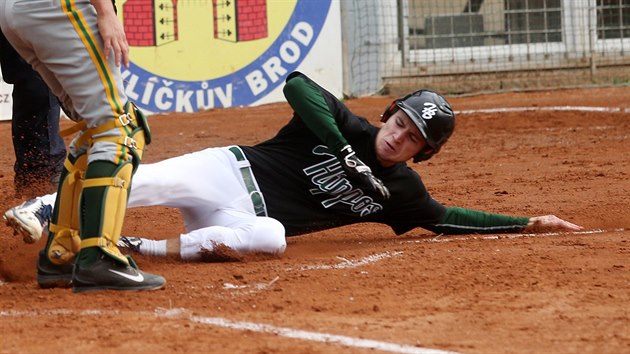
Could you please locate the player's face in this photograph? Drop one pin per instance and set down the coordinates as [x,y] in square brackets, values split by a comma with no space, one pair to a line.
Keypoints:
[398,140]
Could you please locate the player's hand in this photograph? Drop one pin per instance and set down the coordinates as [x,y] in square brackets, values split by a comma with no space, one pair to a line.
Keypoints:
[550,223]
[360,172]
[112,32]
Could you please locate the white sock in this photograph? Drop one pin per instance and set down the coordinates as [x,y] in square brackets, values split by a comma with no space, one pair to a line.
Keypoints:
[153,247]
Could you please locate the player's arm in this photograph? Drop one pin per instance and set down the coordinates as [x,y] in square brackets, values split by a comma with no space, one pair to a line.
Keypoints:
[309,104]
[467,221]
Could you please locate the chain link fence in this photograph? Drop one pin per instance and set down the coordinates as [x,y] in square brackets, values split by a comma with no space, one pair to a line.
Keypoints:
[471,46]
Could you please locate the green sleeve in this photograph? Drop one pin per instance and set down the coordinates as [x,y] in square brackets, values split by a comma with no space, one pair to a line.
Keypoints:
[467,221]
[309,104]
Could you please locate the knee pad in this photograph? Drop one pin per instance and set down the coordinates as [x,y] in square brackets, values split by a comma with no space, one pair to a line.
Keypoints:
[63,237]
[135,134]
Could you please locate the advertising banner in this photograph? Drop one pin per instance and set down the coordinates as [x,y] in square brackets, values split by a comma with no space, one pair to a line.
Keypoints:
[191,55]
[5,99]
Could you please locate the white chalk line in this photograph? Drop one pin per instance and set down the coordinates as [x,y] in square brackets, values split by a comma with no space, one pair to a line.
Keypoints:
[244,289]
[446,238]
[346,263]
[317,336]
[247,289]
[551,108]
[180,313]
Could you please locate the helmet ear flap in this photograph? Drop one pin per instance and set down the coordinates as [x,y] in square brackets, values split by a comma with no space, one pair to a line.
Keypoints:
[426,153]
[389,111]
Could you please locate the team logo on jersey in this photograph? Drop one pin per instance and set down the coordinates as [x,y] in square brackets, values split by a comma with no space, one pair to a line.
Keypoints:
[188,55]
[429,110]
[330,180]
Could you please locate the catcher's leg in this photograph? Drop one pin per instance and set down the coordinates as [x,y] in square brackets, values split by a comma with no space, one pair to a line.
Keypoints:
[54,264]
[100,264]
[93,199]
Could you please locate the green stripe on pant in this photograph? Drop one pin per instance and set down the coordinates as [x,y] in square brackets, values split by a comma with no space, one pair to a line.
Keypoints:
[248,179]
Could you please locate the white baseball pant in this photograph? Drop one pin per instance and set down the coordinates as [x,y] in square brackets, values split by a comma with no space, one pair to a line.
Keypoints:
[208,188]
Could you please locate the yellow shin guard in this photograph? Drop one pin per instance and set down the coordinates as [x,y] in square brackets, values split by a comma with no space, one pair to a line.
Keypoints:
[109,210]
[64,241]
[104,195]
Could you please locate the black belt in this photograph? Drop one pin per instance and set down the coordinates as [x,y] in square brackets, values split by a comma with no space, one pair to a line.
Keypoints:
[248,178]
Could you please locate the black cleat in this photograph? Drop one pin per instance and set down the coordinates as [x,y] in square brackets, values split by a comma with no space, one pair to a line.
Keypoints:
[51,275]
[109,274]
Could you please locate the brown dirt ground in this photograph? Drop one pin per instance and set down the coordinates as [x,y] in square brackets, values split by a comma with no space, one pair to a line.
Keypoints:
[567,293]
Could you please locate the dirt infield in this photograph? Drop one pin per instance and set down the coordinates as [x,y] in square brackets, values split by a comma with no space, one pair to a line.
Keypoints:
[359,288]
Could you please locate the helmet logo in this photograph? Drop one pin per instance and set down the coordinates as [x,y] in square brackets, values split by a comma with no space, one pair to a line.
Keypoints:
[429,110]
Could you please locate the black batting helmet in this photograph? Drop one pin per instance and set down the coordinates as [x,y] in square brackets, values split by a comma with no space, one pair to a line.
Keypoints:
[433,116]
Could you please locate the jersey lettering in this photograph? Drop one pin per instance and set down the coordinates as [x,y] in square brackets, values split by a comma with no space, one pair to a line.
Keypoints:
[328,178]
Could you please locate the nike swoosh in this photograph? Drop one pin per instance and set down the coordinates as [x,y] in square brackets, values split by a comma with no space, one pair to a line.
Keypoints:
[139,278]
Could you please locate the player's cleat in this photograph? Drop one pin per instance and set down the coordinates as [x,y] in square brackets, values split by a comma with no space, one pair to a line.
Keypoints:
[29,219]
[130,243]
[109,274]
[50,275]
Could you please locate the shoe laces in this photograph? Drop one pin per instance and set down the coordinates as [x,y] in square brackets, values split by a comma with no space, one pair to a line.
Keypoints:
[35,208]
[43,213]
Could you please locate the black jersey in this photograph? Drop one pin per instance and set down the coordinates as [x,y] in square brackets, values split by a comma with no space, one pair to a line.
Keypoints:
[306,189]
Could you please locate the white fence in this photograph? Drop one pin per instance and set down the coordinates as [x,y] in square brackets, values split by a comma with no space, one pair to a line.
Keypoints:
[464,46]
